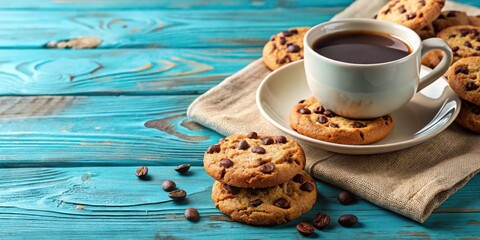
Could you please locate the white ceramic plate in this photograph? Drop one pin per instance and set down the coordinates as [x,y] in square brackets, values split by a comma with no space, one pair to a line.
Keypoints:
[428,113]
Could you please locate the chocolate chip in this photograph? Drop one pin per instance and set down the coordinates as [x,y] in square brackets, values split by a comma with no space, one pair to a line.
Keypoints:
[231,189]
[345,197]
[420,15]
[304,111]
[267,167]
[475,110]
[322,119]
[333,125]
[283,40]
[142,172]
[267,140]
[358,125]
[284,60]
[451,14]
[253,192]
[299,178]
[454,49]
[471,86]
[177,195]
[468,44]
[169,185]
[213,149]
[329,113]
[402,9]
[274,46]
[288,159]
[307,187]
[375,16]
[191,214]
[347,220]
[474,32]
[281,139]
[293,48]
[477,48]
[422,2]
[255,202]
[301,101]
[319,110]
[461,69]
[282,203]
[272,38]
[183,168]
[386,117]
[464,32]
[321,221]
[243,145]
[305,229]
[258,150]
[441,17]
[288,44]
[452,36]
[252,135]
[226,163]
[287,33]
[386,11]
[294,31]
[411,16]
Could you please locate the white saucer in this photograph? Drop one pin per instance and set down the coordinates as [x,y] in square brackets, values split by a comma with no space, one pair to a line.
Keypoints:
[426,115]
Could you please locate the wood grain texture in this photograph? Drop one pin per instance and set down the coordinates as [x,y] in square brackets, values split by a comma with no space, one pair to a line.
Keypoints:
[113,72]
[155,29]
[116,204]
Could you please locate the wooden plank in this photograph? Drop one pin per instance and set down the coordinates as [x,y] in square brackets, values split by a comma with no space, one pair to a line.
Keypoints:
[127,71]
[88,5]
[155,29]
[110,202]
[100,130]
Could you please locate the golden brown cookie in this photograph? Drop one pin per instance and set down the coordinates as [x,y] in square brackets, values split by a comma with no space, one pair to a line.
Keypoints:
[432,58]
[450,19]
[414,14]
[254,161]
[311,119]
[474,20]
[284,48]
[469,116]
[267,206]
[464,78]
[426,32]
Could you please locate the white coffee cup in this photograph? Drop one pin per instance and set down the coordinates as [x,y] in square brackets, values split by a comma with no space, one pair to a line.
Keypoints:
[369,90]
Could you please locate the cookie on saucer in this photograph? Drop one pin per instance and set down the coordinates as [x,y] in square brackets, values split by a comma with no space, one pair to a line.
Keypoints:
[469,116]
[311,119]
[450,19]
[464,78]
[267,206]
[253,160]
[284,48]
[414,14]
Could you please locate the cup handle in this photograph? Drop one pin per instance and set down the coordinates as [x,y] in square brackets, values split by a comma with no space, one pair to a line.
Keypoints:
[442,67]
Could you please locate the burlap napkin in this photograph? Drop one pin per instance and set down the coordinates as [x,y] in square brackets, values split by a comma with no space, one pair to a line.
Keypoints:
[412,182]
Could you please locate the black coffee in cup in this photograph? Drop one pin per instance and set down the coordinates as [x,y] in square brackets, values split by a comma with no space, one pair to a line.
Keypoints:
[361,47]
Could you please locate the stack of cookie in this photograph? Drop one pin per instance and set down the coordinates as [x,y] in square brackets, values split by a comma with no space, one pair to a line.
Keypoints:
[260,179]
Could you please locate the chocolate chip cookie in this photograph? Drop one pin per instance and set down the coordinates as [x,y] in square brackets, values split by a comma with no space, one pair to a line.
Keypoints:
[474,20]
[464,78]
[449,19]
[414,14]
[311,119]
[253,160]
[267,206]
[284,48]
[426,32]
[469,116]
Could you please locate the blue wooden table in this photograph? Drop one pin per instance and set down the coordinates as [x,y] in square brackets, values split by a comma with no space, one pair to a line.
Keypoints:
[75,124]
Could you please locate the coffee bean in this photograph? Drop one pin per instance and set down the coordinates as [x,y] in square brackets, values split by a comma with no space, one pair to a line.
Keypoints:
[299,178]
[258,150]
[304,111]
[307,187]
[267,140]
[281,139]
[287,33]
[464,32]
[243,145]
[345,197]
[329,113]
[231,189]
[358,125]
[169,185]
[468,44]
[471,86]
[411,16]
[142,172]
[322,119]
[213,149]
[226,163]
[293,31]
[461,69]
[288,159]
[321,221]
[183,168]
[255,202]
[454,49]
[305,229]
[177,195]
[191,214]
[252,135]
[319,110]
[293,48]
[283,40]
[282,203]
[267,167]
[333,125]
[347,220]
